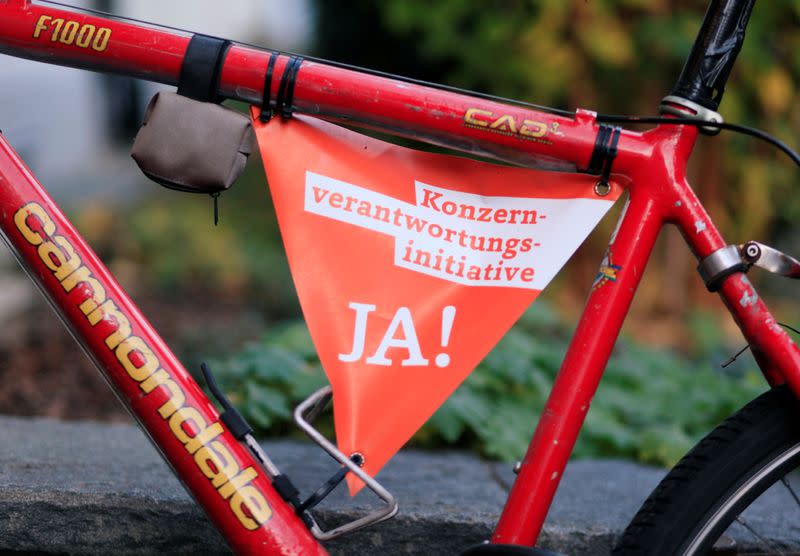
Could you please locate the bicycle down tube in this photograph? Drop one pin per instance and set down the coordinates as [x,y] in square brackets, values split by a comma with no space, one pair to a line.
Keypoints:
[168,403]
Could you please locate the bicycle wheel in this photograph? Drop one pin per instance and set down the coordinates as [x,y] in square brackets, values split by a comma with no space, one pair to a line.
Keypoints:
[733,493]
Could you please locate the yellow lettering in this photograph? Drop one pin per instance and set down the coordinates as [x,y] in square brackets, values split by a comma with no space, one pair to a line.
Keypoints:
[505,123]
[52,257]
[181,416]
[471,117]
[41,25]
[110,310]
[176,400]
[57,23]
[212,457]
[70,30]
[249,498]
[100,42]
[533,129]
[21,220]
[153,381]
[216,463]
[85,35]
[71,262]
[237,482]
[135,344]
[83,276]
[204,437]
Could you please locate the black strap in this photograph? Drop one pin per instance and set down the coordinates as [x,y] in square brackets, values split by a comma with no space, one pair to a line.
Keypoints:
[596,162]
[611,154]
[201,68]
[605,151]
[283,102]
[230,416]
[286,488]
[286,111]
[266,100]
[322,492]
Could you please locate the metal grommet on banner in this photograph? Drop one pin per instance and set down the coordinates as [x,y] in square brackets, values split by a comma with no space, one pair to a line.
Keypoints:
[266,100]
[602,188]
[605,151]
[283,102]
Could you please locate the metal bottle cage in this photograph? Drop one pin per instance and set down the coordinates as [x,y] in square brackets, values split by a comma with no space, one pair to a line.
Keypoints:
[304,414]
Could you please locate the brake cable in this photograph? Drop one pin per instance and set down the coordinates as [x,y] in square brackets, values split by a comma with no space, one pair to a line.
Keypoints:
[743,129]
[745,348]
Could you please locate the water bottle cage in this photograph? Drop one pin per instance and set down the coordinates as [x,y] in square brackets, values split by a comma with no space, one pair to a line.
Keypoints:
[303,415]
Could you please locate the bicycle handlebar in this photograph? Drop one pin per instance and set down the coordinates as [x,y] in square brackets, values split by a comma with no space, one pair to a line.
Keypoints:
[711,60]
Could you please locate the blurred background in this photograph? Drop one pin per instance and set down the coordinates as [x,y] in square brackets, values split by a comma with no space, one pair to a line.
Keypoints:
[224,294]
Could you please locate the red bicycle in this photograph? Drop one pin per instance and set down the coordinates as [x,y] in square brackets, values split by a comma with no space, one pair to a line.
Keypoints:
[247,498]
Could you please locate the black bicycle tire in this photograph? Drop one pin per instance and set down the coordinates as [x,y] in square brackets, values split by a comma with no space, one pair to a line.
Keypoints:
[736,455]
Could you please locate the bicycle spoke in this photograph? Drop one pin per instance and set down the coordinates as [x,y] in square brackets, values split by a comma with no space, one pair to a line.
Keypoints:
[791,490]
[741,521]
[724,544]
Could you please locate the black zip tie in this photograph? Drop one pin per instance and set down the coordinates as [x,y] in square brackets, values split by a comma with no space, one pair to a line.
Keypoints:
[284,486]
[604,153]
[599,152]
[611,154]
[289,100]
[215,196]
[283,102]
[329,485]
[279,99]
[266,100]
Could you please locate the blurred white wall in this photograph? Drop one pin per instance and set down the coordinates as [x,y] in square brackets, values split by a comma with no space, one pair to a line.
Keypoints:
[282,24]
[57,118]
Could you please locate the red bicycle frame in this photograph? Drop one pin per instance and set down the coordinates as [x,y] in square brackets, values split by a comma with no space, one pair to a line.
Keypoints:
[219,472]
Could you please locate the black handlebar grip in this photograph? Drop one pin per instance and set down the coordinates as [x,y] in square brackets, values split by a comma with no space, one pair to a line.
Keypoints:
[714,52]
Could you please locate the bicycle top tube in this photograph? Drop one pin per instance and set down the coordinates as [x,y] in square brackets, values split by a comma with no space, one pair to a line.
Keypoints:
[509,132]
[526,135]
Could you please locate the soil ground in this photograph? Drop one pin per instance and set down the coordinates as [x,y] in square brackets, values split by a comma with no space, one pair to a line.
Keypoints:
[43,371]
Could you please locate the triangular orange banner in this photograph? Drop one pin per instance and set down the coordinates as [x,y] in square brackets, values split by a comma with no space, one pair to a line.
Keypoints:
[411,266]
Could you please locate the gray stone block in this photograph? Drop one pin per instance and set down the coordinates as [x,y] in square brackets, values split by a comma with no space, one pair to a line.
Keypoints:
[88,488]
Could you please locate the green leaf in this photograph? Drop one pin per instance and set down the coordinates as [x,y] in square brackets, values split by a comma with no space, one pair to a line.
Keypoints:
[448,423]
[270,401]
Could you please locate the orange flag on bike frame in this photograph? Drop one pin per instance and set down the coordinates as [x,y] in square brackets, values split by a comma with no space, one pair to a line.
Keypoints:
[411,266]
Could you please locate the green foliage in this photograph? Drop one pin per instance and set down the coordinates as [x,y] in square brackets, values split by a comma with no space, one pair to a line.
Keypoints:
[267,378]
[652,406]
[169,244]
[613,56]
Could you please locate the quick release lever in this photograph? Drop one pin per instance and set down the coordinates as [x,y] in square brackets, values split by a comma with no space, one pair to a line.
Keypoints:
[770,259]
[740,258]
